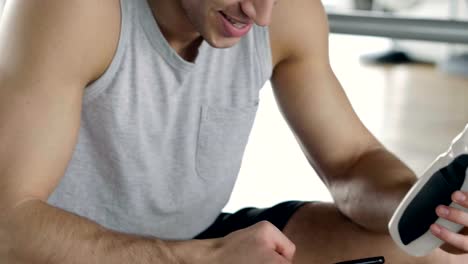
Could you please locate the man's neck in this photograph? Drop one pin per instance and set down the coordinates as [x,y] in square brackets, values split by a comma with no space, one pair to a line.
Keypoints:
[176,27]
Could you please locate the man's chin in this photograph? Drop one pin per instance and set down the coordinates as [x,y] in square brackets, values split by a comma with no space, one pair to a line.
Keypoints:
[219,42]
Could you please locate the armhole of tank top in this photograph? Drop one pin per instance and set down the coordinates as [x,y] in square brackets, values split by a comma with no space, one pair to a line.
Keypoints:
[98,86]
[263,50]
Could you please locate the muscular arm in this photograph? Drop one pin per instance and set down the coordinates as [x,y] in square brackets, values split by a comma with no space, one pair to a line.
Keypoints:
[366,181]
[49,51]
[38,233]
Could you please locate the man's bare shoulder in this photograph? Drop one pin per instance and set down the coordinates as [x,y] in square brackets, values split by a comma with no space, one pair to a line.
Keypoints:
[298,28]
[74,36]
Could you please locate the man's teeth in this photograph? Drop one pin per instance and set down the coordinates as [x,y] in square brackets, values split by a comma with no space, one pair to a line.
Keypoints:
[238,25]
[234,23]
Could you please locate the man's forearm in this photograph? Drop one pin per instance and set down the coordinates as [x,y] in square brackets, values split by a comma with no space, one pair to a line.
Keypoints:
[378,182]
[38,233]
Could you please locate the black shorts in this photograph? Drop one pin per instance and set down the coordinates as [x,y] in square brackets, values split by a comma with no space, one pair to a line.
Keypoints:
[226,223]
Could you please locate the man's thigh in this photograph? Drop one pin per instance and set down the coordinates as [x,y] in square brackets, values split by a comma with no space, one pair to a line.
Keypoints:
[323,235]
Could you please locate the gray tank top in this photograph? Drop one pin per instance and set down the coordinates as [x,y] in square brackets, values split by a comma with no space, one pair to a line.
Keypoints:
[162,139]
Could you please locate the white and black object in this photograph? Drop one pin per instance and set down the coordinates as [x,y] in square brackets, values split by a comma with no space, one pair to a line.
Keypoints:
[410,224]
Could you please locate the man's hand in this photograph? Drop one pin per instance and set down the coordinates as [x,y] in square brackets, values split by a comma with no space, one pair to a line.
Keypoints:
[456,243]
[261,243]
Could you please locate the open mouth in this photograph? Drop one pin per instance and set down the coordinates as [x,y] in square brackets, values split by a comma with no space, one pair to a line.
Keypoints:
[237,24]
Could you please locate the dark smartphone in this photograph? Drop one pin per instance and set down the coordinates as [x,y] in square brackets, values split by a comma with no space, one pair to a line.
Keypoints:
[375,260]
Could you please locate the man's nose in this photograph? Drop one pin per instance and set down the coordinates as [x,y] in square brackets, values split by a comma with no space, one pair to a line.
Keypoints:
[258,10]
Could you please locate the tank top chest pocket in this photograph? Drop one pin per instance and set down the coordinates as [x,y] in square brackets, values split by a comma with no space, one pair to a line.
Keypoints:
[222,138]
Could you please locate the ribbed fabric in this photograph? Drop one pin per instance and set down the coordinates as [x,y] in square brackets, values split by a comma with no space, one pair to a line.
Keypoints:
[162,139]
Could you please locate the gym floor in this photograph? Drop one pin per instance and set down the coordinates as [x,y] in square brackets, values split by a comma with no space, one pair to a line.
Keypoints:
[415,110]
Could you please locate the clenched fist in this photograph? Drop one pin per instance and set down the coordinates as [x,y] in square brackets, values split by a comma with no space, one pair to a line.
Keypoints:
[262,243]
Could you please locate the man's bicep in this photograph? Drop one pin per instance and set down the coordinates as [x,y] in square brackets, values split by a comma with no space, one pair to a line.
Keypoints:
[44,67]
[38,131]
[312,99]
[321,117]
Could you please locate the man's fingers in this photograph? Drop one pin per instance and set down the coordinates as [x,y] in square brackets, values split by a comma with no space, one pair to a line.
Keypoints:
[459,241]
[281,243]
[284,246]
[454,239]
[287,249]
[460,198]
[452,214]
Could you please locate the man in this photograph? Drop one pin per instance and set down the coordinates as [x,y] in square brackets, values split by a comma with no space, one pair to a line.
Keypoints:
[122,136]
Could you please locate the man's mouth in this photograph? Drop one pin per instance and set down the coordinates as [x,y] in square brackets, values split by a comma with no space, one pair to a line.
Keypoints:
[235,22]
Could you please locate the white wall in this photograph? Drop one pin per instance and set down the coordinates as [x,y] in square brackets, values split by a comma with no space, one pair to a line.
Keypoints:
[2,3]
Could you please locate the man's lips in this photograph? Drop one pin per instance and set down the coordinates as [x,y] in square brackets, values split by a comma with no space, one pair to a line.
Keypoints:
[235,20]
[234,28]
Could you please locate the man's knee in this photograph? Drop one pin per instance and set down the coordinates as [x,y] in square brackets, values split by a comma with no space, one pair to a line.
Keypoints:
[315,215]
[323,234]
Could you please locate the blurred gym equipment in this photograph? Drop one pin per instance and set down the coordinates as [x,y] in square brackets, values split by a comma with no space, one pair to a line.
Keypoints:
[379,18]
